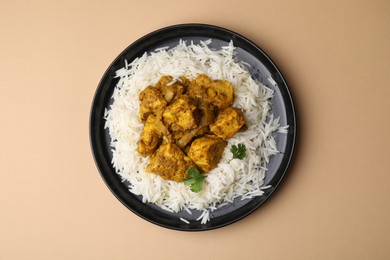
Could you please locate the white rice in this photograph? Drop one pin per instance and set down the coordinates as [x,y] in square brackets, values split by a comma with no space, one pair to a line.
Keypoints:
[231,178]
[184,220]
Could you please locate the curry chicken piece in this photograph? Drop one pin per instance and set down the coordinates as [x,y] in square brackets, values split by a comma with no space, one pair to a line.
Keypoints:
[206,119]
[151,102]
[170,92]
[206,152]
[217,92]
[221,93]
[170,162]
[181,115]
[150,137]
[198,87]
[228,122]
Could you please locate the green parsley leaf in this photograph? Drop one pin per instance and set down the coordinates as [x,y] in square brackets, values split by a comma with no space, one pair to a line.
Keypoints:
[239,151]
[195,179]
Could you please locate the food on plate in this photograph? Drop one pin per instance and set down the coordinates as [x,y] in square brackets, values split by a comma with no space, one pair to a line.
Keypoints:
[238,151]
[228,122]
[206,152]
[151,102]
[171,92]
[170,162]
[194,117]
[151,136]
[217,92]
[185,121]
[195,180]
[181,115]
[206,119]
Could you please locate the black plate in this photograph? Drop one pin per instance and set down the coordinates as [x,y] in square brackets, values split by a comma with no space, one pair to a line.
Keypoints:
[261,68]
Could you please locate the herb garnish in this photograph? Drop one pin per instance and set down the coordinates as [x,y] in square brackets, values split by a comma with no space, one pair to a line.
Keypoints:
[239,151]
[195,179]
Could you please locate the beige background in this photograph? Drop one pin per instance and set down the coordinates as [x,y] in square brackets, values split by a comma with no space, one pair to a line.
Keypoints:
[334,203]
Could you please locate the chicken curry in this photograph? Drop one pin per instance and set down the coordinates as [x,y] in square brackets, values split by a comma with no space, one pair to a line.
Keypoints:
[187,124]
